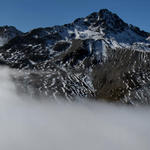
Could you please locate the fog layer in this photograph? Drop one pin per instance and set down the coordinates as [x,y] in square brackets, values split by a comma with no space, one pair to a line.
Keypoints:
[30,124]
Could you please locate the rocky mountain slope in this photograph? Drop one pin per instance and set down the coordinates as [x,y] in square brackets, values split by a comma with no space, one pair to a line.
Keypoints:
[99,56]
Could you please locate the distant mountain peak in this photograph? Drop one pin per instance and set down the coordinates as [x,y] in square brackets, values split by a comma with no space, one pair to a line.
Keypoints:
[7,33]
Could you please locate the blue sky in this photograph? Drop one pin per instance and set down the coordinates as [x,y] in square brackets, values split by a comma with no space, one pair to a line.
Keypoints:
[29,14]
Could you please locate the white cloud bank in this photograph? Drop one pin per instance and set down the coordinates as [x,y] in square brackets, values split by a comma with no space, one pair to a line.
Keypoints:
[26,124]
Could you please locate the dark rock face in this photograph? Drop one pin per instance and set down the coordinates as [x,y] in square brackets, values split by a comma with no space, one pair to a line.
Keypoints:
[125,72]
[111,21]
[76,52]
[82,59]
[61,46]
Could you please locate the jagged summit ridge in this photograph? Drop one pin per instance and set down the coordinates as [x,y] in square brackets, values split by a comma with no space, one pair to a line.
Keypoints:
[107,20]
[98,25]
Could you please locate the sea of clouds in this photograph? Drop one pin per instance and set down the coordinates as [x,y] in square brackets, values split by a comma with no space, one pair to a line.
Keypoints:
[30,124]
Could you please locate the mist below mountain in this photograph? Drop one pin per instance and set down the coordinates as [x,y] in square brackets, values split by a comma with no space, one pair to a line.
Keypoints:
[31,124]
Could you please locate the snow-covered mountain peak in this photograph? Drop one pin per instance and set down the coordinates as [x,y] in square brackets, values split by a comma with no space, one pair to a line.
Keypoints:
[61,59]
[107,26]
[106,20]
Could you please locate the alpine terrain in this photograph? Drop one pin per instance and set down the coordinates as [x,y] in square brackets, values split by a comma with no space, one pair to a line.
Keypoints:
[99,57]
